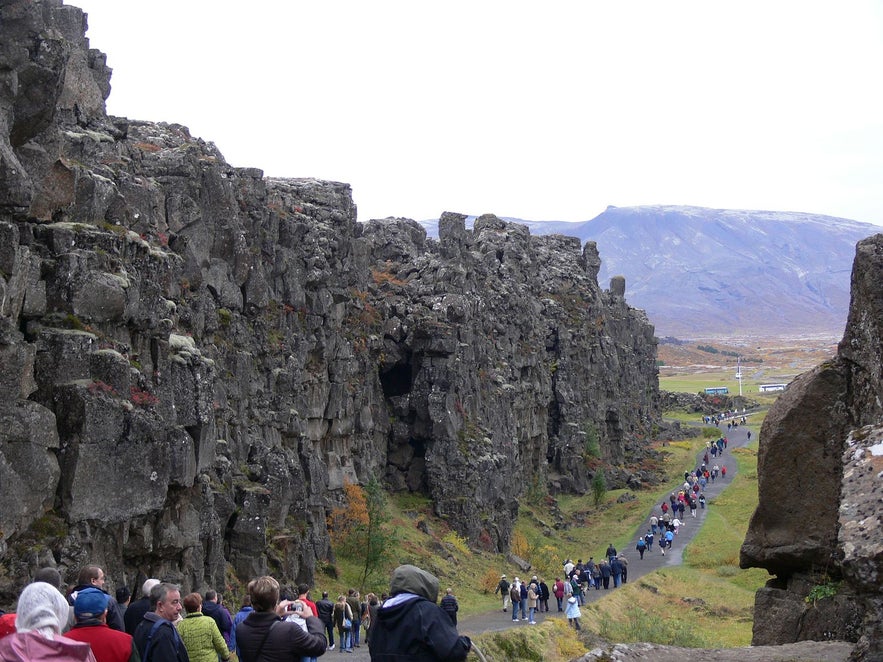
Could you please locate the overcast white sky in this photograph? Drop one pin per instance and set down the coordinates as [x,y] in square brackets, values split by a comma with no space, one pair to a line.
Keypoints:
[542,111]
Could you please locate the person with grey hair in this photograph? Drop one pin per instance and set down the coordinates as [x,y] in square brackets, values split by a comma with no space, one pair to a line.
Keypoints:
[136,610]
[41,614]
[156,638]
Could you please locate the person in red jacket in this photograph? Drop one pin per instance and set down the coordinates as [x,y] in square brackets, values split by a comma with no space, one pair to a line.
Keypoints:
[90,610]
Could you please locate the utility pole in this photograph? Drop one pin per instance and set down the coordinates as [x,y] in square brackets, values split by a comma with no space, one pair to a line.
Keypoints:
[739,372]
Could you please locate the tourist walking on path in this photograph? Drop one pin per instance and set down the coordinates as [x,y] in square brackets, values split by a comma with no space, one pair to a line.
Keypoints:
[449,605]
[503,590]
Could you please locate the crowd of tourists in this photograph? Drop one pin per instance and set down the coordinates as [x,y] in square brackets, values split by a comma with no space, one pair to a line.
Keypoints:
[87,624]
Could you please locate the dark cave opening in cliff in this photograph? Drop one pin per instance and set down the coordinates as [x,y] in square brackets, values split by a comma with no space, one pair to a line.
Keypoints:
[397,380]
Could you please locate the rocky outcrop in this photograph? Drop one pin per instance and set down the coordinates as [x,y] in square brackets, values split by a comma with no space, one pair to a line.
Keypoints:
[817,526]
[196,358]
[806,651]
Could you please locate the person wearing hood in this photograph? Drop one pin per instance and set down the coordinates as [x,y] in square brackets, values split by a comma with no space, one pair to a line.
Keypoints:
[41,615]
[573,613]
[410,625]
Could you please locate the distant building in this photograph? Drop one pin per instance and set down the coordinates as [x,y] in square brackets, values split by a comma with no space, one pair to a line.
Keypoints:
[717,390]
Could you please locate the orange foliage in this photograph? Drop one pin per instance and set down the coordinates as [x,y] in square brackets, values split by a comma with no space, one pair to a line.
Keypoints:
[518,546]
[489,581]
[343,520]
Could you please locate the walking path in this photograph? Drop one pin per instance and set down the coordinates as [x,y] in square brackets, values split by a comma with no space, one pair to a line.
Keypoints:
[495,620]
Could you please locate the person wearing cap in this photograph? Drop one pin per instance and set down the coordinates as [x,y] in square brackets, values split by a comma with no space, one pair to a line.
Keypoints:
[90,611]
[503,589]
[42,613]
[411,626]
[136,610]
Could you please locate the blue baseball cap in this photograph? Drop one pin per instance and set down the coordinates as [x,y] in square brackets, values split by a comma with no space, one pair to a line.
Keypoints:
[90,601]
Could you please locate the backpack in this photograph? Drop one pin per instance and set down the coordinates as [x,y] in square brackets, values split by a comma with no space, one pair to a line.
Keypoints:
[156,626]
[641,544]
[514,594]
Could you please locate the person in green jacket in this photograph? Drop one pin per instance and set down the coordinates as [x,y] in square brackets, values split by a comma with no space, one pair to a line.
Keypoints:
[200,633]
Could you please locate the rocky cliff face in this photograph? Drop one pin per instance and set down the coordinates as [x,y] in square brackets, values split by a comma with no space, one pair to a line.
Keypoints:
[818,525]
[195,358]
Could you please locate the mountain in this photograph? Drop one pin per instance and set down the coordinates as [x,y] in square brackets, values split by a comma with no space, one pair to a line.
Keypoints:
[700,272]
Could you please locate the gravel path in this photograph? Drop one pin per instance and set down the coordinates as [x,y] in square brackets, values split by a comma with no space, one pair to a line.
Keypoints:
[495,620]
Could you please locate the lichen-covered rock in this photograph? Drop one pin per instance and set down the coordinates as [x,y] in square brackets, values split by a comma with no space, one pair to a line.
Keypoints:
[817,525]
[196,359]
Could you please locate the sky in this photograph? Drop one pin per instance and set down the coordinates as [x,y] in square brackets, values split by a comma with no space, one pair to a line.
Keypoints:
[539,111]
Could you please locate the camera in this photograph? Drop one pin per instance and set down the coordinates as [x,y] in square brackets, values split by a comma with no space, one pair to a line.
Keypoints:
[297,605]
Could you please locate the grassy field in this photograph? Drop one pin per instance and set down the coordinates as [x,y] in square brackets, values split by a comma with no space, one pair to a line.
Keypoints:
[697,383]
[686,368]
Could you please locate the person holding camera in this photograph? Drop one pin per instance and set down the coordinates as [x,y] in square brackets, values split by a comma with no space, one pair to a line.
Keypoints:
[265,637]
[295,610]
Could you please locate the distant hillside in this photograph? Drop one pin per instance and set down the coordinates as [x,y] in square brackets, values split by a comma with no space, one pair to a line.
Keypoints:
[699,271]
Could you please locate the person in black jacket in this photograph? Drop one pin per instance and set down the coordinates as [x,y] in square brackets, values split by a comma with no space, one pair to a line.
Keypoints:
[325,608]
[156,637]
[136,610]
[411,626]
[91,576]
[264,636]
[449,605]
[212,606]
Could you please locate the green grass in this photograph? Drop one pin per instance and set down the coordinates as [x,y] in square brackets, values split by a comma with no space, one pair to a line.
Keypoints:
[550,641]
[697,383]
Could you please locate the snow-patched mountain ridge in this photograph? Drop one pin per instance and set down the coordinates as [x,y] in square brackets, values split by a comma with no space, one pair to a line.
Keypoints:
[699,271]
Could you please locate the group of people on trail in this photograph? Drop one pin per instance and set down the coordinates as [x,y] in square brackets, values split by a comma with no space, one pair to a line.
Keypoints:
[527,598]
[569,589]
[89,625]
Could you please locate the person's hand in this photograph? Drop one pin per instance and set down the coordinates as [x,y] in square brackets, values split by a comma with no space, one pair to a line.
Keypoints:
[307,612]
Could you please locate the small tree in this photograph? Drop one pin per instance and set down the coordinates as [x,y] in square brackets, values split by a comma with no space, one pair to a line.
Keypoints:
[599,487]
[378,540]
[359,528]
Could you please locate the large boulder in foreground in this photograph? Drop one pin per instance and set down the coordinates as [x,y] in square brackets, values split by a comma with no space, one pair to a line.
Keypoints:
[817,527]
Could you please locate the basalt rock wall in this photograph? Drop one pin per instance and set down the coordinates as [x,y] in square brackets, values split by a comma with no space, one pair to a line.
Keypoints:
[818,526]
[196,358]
